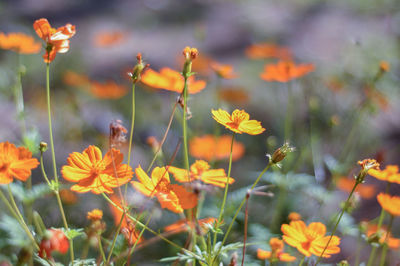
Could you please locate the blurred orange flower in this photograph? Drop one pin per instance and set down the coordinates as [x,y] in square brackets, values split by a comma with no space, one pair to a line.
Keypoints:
[107,90]
[171,80]
[94,173]
[310,239]
[223,71]
[19,43]
[294,216]
[285,71]
[384,66]
[15,163]
[390,174]
[72,78]
[200,170]
[95,214]
[54,240]
[377,97]
[267,50]
[68,196]
[393,243]
[233,95]
[238,122]
[183,225]
[171,196]
[389,203]
[108,38]
[364,190]
[57,40]
[276,253]
[210,147]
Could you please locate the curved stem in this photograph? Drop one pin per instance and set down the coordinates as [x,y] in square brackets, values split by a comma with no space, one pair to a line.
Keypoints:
[115,238]
[138,238]
[101,248]
[238,210]
[130,135]
[338,221]
[53,156]
[302,261]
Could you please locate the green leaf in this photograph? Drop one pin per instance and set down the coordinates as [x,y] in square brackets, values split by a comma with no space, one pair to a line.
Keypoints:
[72,233]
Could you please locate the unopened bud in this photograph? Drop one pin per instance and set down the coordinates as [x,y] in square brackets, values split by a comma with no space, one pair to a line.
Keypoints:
[343,263]
[42,146]
[138,69]
[280,153]
[189,54]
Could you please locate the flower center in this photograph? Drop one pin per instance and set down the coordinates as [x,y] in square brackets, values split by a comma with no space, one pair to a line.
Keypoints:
[163,186]
[4,166]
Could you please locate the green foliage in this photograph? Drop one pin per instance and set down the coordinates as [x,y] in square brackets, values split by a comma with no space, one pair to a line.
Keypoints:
[16,235]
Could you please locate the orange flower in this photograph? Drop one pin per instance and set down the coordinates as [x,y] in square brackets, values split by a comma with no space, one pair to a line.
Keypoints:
[267,50]
[19,43]
[107,90]
[171,196]
[94,173]
[183,225]
[276,253]
[15,163]
[57,40]
[393,243]
[238,122]
[108,38]
[234,95]
[310,239]
[376,97]
[200,170]
[285,71]
[171,80]
[390,174]
[95,215]
[294,216]
[347,184]
[210,147]
[223,71]
[389,203]
[72,78]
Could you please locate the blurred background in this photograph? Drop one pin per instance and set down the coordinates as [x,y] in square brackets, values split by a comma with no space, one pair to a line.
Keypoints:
[344,111]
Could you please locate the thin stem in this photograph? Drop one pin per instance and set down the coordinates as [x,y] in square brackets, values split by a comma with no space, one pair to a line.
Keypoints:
[184,126]
[221,213]
[289,113]
[101,248]
[238,210]
[53,156]
[302,261]
[338,221]
[245,227]
[380,221]
[163,139]
[385,244]
[130,134]
[115,238]
[17,215]
[138,238]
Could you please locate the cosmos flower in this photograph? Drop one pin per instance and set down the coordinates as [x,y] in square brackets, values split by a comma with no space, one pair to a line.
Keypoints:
[57,40]
[15,163]
[389,203]
[310,239]
[94,173]
[238,122]
[284,71]
[200,170]
[171,196]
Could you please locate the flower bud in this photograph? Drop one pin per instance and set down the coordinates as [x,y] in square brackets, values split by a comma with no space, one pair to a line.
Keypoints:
[189,54]
[137,69]
[42,146]
[280,153]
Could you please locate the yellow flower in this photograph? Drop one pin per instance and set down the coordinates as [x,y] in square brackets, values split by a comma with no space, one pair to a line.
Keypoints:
[238,122]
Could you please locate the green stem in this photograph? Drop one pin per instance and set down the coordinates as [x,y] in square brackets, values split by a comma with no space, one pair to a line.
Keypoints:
[139,236]
[380,221]
[221,213]
[131,133]
[53,156]
[302,261]
[17,215]
[385,244]
[145,226]
[238,210]
[184,127]
[115,238]
[338,221]
[101,248]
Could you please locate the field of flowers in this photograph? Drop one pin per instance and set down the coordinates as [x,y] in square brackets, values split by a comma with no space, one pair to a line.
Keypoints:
[199,133]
